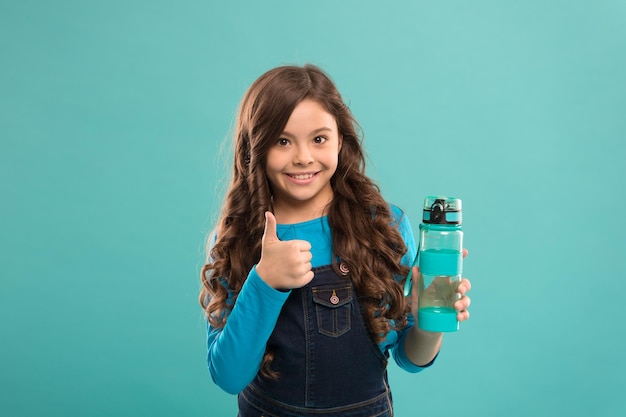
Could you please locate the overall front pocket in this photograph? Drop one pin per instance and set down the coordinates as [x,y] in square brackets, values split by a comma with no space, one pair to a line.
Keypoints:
[333,308]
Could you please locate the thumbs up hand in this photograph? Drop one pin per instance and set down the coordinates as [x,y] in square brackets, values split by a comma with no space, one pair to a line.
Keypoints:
[284,264]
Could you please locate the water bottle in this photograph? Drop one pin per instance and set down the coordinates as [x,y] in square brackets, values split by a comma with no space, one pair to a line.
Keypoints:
[440,260]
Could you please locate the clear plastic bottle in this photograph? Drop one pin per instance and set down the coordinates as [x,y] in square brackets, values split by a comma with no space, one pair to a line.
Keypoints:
[440,264]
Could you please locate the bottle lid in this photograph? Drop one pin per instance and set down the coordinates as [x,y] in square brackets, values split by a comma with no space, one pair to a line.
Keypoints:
[442,210]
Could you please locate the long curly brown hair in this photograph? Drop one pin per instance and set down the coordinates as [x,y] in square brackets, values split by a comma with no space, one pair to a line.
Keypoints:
[363,230]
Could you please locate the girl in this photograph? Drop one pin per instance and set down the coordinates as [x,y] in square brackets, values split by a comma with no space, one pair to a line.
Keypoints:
[303,285]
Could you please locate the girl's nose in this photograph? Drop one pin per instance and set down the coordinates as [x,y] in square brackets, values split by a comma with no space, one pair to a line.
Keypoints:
[303,156]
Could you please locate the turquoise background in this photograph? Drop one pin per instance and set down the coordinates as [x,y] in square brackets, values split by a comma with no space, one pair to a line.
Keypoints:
[112,120]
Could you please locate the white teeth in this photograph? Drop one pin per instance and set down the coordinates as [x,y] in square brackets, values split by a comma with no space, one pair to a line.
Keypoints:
[302,177]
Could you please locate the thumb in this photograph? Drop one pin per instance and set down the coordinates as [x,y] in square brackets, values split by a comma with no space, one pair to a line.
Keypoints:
[269,235]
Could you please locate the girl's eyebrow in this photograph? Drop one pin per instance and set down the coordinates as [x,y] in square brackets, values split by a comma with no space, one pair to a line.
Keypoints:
[314,132]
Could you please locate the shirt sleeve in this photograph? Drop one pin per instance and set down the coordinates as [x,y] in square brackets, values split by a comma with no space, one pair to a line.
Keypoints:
[398,352]
[235,352]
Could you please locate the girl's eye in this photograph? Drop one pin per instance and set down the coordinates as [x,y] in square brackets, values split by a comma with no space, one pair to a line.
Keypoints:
[282,142]
[319,139]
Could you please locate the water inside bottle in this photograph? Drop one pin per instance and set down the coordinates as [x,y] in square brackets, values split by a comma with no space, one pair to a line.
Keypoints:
[439,291]
[437,296]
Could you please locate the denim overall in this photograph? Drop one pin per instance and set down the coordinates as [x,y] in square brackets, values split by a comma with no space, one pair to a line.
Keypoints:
[328,365]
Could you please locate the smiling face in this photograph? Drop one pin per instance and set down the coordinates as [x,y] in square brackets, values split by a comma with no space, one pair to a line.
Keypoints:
[301,163]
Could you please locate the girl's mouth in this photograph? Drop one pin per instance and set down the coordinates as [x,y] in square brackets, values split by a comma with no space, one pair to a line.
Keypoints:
[302,177]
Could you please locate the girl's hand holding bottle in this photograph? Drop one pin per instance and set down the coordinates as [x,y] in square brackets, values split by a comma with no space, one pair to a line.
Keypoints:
[461,305]
[284,265]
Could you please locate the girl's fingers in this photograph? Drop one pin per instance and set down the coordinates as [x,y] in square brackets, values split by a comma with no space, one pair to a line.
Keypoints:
[462,315]
[463,303]
[464,286]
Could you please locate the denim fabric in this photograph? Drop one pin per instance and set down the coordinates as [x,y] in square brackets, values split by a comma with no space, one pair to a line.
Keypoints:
[325,358]
[253,403]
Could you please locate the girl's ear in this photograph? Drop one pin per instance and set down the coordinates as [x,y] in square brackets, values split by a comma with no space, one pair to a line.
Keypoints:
[340,142]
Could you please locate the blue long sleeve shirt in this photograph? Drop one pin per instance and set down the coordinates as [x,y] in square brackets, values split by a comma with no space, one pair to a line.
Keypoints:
[235,352]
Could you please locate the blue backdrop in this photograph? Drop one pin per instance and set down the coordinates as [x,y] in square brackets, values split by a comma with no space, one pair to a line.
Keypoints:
[113,117]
